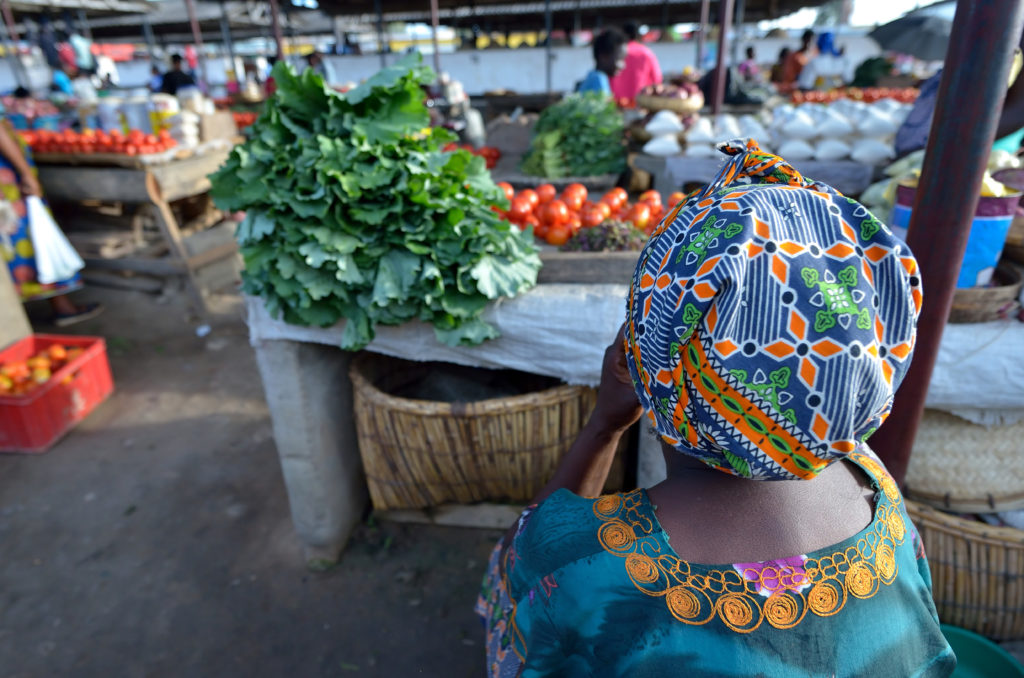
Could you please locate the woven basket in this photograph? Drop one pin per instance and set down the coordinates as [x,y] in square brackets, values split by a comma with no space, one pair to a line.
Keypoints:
[420,453]
[977,572]
[688,106]
[984,304]
[965,467]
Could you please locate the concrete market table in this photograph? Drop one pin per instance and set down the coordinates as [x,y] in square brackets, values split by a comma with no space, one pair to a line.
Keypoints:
[156,185]
[559,330]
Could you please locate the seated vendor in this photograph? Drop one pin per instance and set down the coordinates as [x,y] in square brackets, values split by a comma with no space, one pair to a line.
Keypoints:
[764,346]
[609,59]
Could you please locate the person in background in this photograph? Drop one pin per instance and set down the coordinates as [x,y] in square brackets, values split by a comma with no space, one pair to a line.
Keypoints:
[17,182]
[796,61]
[63,77]
[609,60]
[156,79]
[748,68]
[176,78]
[641,68]
[315,61]
[779,67]
[82,47]
[829,69]
[913,133]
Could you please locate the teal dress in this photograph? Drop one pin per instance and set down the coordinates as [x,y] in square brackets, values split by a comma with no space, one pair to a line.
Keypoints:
[592,587]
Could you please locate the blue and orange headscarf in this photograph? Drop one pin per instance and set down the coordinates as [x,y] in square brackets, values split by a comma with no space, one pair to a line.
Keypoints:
[769,321]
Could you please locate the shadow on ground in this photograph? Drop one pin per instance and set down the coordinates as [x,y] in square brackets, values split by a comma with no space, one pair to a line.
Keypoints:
[155,540]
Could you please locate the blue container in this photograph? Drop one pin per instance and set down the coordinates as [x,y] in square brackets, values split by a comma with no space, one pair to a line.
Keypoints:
[992,220]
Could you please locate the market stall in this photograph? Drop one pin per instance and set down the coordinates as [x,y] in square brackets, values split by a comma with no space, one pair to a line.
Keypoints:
[153,185]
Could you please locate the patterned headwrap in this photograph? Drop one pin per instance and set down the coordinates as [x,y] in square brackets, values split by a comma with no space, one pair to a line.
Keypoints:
[769,321]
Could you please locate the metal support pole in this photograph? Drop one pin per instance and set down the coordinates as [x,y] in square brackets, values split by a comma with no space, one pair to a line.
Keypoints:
[664,16]
[967,110]
[724,22]
[147,31]
[738,23]
[549,55]
[225,34]
[83,24]
[197,38]
[434,20]
[275,22]
[381,44]
[702,32]
[11,33]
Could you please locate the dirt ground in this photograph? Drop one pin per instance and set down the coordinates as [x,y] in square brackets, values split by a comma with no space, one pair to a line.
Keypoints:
[155,540]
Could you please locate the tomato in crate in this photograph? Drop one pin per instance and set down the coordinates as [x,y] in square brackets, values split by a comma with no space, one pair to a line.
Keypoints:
[48,404]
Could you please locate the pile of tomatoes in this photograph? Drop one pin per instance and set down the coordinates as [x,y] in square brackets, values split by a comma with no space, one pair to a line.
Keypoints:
[904,95]
[490,154]
[556,218]
[135,142]
[18,377]
[243,120]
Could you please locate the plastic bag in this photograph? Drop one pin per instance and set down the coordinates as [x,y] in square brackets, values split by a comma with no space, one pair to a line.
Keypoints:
[701,132]
[796,149]
[665,145]
[872,151]
[664,122]
[799,126]
[56,259]
[832,149]
[834,125]
[700,151]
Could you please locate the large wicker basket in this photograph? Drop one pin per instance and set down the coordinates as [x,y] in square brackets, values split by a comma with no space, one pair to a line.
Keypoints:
[421,453]
[977,572]
[960,466]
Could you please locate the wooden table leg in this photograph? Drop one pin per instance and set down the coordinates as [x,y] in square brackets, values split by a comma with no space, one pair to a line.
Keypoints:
[175,243]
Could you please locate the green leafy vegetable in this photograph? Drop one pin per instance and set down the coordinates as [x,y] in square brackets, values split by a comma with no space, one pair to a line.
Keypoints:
[354,212]
[582,135]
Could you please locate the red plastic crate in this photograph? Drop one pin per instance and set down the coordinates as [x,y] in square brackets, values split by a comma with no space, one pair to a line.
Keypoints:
[32,423]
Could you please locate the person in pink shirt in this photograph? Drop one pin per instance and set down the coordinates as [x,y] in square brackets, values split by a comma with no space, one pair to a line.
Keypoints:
[641,69]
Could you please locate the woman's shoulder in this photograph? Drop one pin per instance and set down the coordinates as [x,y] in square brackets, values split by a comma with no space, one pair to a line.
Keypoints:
[566,528]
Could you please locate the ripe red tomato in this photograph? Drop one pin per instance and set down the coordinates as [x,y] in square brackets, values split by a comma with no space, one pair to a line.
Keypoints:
[555,213]
[605,209]
[640,215]
[131,149]
[676,198]
[575,224]
[558,235]
[575,189]
[520,209]
[652,198]
[546,193]
[509,191]
[574,200]
[612,199]
[593,217]
[530,195]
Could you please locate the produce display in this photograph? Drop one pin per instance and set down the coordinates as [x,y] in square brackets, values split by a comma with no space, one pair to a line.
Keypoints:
[685,98]
[135,142]
[243,120]
[355,212]
[556,219]
[29,109]
[869,95]
[490,154]
[21,377]
[609,236]
[580,136]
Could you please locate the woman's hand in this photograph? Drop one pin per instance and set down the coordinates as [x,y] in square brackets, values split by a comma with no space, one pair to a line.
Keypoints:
[617,405]
[30,185]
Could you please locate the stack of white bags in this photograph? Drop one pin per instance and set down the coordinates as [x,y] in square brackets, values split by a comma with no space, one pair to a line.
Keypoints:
[842,130]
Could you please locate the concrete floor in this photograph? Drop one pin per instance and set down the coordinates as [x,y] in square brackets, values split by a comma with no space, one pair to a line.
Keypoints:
[155,539]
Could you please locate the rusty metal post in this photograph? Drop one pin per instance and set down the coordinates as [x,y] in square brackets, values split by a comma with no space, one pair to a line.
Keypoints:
[434,21]
[702,32]
[967,110]
[197,37]
[718,86]
[275,22]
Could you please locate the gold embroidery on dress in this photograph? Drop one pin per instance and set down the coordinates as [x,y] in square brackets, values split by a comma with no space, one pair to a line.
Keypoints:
[822,585]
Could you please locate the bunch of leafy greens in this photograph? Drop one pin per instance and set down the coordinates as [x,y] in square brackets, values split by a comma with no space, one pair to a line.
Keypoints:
[580,136]
[354,212]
